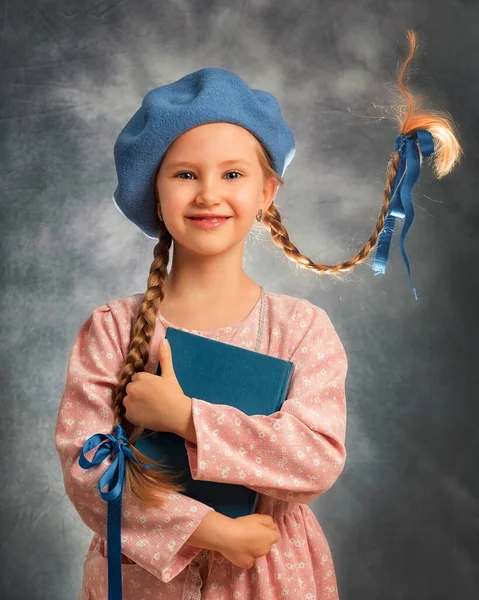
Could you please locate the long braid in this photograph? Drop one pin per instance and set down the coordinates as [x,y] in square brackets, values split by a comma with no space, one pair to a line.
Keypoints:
[280,236]
[147,485]
[447,154]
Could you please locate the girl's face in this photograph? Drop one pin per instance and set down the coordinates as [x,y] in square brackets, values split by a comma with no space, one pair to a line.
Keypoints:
[212,168]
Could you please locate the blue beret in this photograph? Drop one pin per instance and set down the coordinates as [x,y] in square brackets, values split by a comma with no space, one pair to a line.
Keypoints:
[205,96]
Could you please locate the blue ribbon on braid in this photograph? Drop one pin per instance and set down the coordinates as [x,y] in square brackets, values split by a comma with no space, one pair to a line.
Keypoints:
[118,446]
[401,204]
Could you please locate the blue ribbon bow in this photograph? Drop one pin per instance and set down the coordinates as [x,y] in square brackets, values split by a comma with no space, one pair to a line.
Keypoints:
[114,476]
[401,204]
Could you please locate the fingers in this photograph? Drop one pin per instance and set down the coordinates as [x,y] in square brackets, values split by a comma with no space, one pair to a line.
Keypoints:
[265,519]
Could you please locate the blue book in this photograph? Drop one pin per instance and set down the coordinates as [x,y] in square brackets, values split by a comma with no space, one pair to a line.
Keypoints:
[221,373]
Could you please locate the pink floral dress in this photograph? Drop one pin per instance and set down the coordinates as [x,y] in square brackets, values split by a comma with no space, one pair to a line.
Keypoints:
[289,458]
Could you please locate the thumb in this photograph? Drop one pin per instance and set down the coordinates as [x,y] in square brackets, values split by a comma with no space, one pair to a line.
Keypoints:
[165,358]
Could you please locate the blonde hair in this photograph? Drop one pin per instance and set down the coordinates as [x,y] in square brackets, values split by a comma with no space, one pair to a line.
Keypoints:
[150,486]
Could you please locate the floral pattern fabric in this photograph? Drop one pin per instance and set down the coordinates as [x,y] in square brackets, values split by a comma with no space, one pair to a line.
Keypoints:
[290,458]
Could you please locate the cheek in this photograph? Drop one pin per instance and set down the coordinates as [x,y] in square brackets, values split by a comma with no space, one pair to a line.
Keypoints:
[244,204]
[174,204]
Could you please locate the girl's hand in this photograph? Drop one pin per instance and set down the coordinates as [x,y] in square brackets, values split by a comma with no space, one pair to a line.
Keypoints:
[157,402]
[247,538]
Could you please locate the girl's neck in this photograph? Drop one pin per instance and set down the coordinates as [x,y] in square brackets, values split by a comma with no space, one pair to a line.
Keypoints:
[209,313]
[202,289]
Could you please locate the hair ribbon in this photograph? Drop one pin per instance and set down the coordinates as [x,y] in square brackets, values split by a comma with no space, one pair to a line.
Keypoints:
[118,445]
[401,204]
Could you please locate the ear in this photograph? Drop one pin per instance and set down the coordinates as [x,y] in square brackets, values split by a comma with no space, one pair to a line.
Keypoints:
[269,192]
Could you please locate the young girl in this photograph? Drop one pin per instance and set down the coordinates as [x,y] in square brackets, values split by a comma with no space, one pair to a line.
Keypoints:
[208,144]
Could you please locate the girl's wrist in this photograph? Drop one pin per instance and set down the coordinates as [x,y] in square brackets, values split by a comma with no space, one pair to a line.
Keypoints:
[211,532]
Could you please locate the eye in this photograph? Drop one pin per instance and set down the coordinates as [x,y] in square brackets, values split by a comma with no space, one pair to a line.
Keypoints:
[189,173]
[230,172]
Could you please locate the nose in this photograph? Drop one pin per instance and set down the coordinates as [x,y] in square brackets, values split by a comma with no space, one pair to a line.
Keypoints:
[208,193]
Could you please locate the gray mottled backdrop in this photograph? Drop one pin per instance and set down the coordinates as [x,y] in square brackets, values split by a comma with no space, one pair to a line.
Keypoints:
[402,521]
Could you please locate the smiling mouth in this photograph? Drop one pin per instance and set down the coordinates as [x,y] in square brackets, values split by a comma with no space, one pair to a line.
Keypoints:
[208,218]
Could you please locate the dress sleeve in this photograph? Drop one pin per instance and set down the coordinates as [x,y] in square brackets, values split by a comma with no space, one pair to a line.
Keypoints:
[297,453]
[153,537]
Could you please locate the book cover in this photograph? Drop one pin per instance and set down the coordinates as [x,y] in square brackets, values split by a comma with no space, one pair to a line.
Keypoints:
[220,373]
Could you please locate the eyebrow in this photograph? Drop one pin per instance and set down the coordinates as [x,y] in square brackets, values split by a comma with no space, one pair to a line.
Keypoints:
[231,161]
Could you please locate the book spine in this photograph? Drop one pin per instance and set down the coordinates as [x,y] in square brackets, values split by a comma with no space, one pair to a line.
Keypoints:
[287,376]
